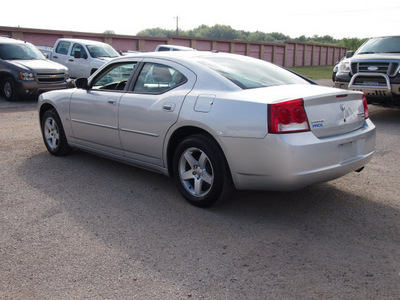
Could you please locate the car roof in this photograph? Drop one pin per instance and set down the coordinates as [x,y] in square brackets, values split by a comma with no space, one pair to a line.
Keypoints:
[9,40]
[181,56]
[82,41]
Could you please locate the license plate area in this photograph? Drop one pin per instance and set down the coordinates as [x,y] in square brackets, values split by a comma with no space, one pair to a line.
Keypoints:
[351,151]
[371,83]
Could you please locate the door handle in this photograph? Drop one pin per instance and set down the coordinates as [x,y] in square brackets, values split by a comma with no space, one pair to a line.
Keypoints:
[70,59]
[112,100]
[169,107]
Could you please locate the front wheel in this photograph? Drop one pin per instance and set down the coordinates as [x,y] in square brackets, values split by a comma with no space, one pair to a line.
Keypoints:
[53,134]
[201,172]
[9,89]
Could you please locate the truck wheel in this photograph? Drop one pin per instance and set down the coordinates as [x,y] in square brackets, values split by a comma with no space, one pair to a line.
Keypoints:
[9,89]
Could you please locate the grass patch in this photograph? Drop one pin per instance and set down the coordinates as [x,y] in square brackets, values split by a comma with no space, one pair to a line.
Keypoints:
[314,72]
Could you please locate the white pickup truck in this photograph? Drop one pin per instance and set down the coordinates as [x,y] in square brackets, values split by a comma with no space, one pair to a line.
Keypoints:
[81,57]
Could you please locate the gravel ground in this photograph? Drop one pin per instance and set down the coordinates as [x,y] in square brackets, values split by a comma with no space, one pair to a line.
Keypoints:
[82,227]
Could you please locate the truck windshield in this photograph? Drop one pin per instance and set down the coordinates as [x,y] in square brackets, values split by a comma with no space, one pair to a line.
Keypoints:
[102,51]
[19,51]
[381,45]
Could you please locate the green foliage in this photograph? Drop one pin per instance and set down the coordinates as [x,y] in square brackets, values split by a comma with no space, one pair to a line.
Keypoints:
[226,32]
[156,32]
[314,72]
[352,43]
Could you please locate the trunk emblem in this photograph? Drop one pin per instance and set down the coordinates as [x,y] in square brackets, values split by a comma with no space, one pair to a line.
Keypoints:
[317,123]
[343,109]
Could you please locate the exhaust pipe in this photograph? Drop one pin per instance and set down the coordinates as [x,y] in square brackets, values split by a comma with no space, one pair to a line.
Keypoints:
[359,170]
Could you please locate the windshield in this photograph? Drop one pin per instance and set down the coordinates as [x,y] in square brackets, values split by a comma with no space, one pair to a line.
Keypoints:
[19,51]
[102,51]
[248,73]
[381,45]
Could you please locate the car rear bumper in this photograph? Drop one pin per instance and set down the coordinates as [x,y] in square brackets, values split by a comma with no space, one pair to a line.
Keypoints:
[292,161]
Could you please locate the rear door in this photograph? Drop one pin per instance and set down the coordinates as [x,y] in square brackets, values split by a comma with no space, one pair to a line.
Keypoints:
[61,53]
[151,108]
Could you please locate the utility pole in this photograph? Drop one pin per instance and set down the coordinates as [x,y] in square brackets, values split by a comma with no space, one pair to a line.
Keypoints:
[177,24]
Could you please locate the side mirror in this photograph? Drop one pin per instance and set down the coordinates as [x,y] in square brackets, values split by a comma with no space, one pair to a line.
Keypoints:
[349,53]
[82,83]
[78,54]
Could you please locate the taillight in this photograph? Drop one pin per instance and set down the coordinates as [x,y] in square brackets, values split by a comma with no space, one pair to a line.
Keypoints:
[287,117]
[365,103]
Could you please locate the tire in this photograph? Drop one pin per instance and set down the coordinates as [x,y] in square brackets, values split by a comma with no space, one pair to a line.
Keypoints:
[9,89]
[53,134]
[200,171]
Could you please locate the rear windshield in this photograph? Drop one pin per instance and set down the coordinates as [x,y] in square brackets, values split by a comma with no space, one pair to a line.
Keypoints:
[250,73]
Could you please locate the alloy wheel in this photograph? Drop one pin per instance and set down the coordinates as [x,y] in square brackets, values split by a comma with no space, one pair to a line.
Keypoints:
[196,172]
[51,133]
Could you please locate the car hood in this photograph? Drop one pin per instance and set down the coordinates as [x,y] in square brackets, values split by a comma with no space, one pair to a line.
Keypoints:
[377,56]
[38,65]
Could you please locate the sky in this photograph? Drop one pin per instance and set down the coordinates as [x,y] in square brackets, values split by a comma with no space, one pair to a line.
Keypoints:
[337,18]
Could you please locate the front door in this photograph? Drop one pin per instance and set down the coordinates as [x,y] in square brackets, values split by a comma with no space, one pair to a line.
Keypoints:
[78,65]
[94,112]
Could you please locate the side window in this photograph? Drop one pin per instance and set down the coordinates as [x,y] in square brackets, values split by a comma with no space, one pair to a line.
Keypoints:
[78,47]
[62,47]
[156,78]
[114,78]
[163,49]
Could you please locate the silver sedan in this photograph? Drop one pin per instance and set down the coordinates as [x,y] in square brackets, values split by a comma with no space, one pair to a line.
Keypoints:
[212,121]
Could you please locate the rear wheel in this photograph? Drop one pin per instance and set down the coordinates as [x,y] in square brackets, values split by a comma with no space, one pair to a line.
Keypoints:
[9,89]
[53,134]
[201,172]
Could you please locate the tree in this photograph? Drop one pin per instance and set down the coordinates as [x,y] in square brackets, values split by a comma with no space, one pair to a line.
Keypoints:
[156,32]
[352,43]
[257,36]
[226,32]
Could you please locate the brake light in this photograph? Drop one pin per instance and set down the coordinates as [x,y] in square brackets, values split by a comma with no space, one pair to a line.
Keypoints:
[365,103]
[287,117]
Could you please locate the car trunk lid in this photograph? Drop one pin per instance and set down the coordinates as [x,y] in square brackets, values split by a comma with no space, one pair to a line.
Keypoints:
[336,113]
[329,111]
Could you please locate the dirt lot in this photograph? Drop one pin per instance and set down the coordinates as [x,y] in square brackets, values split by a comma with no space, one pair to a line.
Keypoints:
[82,227]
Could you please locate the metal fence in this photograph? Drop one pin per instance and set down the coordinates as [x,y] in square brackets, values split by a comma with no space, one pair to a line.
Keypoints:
[287,54]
